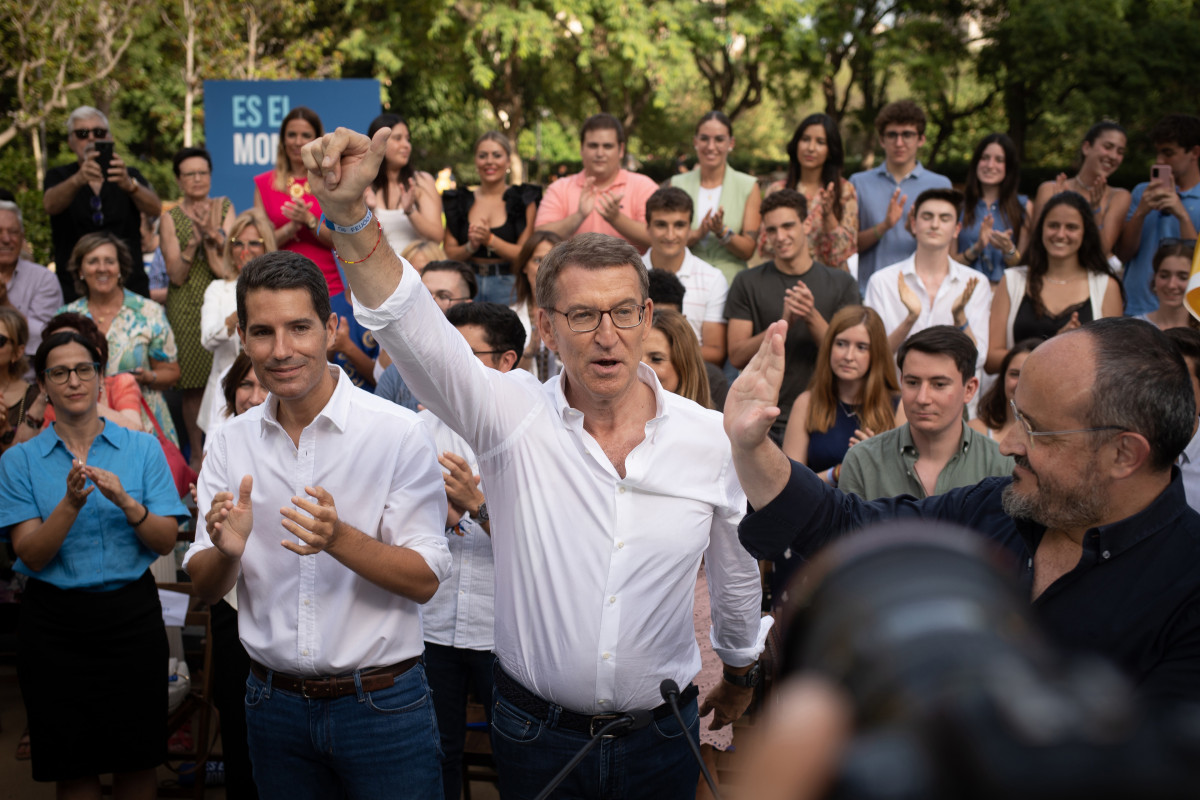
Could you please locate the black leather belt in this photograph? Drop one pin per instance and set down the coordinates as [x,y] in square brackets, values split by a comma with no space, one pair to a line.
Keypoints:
[372,680]
[587,724]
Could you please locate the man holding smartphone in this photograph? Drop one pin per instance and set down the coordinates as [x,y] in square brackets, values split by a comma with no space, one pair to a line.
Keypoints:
[1166,206]
[97,193]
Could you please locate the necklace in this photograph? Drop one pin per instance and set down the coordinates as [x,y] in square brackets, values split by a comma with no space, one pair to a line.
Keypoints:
[297,187]
[1061,283]
[102,315]
[849,411]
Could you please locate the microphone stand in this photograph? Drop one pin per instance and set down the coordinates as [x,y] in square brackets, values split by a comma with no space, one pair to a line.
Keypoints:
[624,721]
[669,690]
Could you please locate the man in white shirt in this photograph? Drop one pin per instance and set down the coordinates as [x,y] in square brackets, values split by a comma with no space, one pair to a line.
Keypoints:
[336,701]
[929,288]
[605,492]
[668,223]
[459,619]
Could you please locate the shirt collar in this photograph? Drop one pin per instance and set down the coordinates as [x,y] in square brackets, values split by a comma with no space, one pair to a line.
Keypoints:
[1191,453]
[568,414]
[48,439]
[1109,541]
[336,409]
[917,171]
[908,446]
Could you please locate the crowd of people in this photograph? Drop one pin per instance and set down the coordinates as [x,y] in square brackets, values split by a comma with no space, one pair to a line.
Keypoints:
[499,436]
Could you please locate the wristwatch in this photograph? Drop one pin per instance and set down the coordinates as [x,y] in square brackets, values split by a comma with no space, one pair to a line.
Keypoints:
[725,237]
[747,681]
[481,513]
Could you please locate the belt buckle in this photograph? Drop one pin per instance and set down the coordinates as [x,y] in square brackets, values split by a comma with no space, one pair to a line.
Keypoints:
[599,721]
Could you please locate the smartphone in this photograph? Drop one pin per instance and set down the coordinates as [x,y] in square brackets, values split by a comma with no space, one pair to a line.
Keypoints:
[105,150]
[1161,173]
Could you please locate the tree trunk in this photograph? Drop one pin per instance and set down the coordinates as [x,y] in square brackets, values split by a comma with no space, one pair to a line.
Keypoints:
[189,71]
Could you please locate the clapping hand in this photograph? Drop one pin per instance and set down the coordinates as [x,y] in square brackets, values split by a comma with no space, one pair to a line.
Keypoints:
[478,236]
[960,304]
[861,435]
[587,197]
[77,488]
[798,303]
[895,209]
[824,201]
[609,205]
[462,487]
[908,297]
[1072,323]
[319,529]
[229,525]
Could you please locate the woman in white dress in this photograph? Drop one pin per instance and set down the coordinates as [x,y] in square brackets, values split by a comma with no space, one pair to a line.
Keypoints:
[251,236]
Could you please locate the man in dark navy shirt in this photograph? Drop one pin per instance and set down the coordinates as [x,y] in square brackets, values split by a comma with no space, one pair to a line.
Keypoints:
[1095,512]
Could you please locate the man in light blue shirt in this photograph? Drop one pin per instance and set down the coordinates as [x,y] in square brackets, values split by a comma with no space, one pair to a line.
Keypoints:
[1159,211]
[886,193]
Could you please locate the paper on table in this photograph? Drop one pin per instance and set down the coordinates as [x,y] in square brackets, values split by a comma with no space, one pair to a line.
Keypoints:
[174,606]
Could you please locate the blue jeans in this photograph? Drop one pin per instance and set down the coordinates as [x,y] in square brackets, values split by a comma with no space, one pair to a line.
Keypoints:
[654,762]
[364,745]
[496,289]
[452,672]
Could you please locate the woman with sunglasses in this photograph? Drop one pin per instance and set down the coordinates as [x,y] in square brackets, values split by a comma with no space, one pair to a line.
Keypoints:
[193,235]
[88,505]
[251,236]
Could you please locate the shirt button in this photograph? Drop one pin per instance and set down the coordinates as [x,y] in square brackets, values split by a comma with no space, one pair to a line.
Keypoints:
[621,489]
[620,545]
[612,599]
[607,656]
[308,602]
[305,653]
[1106,554]
[602,702]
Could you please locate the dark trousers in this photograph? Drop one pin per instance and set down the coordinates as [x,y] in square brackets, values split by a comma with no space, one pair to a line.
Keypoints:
[230,666]
[452,672]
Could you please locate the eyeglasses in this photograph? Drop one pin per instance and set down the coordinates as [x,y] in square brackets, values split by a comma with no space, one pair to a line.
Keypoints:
[447,297]
[85,372]
[97,133]
[1031,433]
[97,210]
[200,173]
[1174,241]
[257,244]
[895,136]
[586,320]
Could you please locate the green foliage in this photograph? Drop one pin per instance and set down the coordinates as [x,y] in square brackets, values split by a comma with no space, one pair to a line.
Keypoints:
[18,174]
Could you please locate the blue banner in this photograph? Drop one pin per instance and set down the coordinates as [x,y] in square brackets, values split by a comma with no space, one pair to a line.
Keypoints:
[242,119]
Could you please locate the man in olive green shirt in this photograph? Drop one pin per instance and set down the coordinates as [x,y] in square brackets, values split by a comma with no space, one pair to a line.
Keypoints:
[934,451]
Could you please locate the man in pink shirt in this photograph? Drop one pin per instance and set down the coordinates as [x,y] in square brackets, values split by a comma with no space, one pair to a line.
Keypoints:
[604,198]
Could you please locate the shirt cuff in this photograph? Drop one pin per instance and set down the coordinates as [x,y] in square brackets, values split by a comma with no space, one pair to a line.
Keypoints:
[394,307]
[743,656]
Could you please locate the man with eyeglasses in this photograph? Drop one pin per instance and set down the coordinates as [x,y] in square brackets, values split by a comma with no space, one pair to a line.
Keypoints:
[82,198]
[28,287]
[887,192]
[604,493]
[1094,516]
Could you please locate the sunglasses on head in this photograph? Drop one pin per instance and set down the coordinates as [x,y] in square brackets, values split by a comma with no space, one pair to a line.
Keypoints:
[97,133]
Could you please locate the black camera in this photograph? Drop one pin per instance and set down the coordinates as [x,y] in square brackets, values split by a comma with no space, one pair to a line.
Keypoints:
[957,694]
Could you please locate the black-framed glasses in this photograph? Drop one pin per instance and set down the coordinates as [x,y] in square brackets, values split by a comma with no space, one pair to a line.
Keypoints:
[97,133]
[1032,434]
[1174,241]
[97,210]
[257,243]
[85,372]
[586,320]
[895,136]
[448,297]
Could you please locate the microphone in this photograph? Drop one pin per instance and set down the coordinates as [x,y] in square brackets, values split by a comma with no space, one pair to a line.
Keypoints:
[629,721]
[669,690]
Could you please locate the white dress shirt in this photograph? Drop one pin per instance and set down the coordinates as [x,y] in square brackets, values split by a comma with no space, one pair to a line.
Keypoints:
[1189,465]
[706,290]
[220,300]
[462,612]
[884,297]
[595,573]
[312,615]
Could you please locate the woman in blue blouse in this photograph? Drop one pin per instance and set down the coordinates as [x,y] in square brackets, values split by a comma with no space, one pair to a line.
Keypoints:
[88,505]
[996,219]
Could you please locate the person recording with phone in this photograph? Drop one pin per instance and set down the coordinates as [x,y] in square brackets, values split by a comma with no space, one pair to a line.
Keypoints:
[99,192]
[1166,207]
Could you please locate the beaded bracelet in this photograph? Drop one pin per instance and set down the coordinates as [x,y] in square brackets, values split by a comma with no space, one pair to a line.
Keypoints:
[144,516]
[378,239]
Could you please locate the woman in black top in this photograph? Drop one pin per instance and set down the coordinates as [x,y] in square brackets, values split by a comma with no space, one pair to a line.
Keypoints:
[487,226]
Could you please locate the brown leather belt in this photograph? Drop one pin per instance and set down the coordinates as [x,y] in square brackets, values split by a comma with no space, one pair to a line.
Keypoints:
[372,680]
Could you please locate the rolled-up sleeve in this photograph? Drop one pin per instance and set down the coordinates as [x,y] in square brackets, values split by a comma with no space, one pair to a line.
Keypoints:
[414,516]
